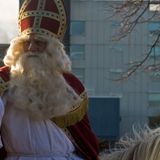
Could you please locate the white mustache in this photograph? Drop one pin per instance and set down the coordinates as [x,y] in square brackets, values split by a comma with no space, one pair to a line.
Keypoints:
[33,55]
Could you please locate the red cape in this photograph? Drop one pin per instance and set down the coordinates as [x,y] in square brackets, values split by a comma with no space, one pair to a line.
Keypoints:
[81,132]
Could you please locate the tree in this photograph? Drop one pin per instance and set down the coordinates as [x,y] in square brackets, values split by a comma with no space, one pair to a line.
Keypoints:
[131,13]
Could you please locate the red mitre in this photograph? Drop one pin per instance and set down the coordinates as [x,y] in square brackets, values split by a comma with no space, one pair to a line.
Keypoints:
[47,18]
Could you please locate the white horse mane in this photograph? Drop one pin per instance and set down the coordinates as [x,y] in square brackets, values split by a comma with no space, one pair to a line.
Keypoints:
[144,145]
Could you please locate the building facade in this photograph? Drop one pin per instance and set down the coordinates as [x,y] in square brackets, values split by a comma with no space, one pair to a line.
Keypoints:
[98,61]
[3,49]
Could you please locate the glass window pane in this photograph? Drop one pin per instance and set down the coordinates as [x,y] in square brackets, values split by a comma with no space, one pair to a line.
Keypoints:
[154,76]
[154,100]
[155,52]
[77,28]
[154,7]
[154,27]
[154,97]
[79,72]
[77,51]
[115,24]
[3,49]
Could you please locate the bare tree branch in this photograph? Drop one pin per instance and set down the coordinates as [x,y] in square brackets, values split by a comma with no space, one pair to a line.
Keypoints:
[132,13]
[135,67]
[130,19]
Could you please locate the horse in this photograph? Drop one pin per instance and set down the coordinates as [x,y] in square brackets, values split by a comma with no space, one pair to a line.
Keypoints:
[144,144]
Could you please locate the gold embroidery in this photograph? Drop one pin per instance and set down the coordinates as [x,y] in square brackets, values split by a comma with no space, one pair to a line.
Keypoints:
[40,13]
[73,116]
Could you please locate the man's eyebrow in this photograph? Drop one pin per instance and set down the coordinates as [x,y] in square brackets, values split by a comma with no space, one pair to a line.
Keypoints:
[40,39]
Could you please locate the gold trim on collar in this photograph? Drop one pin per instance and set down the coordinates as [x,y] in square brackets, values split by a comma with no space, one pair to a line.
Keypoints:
[73,116]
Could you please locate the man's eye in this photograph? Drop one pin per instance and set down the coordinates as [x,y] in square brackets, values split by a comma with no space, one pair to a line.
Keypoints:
[39,42]
[26,43]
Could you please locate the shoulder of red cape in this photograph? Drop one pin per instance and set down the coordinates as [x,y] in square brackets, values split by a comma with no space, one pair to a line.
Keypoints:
[78,111]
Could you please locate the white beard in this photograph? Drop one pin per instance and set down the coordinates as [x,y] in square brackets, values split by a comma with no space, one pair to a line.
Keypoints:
[39,89]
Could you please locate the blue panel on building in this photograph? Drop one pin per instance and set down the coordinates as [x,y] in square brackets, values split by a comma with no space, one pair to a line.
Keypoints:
[104,116]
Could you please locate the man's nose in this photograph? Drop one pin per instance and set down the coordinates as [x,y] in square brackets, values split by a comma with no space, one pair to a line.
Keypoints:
[32,47]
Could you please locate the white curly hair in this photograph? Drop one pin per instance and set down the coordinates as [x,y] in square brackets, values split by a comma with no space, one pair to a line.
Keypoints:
[37,84]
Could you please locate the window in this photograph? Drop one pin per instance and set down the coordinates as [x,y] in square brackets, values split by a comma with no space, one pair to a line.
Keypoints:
[154,100]
[77,51]
[116,49]
[155,76]
[115,74]
[154,97]
[115,24]
[77,28]
[79,72]
[3,49]
[154,5]
[154,27]
[155,52]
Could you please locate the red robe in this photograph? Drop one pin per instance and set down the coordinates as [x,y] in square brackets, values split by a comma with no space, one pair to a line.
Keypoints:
[82,136]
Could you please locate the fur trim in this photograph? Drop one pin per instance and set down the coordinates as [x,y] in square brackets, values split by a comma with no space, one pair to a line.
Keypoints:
[75,115]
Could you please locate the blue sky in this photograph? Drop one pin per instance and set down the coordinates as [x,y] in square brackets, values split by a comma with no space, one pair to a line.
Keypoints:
[8,20]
